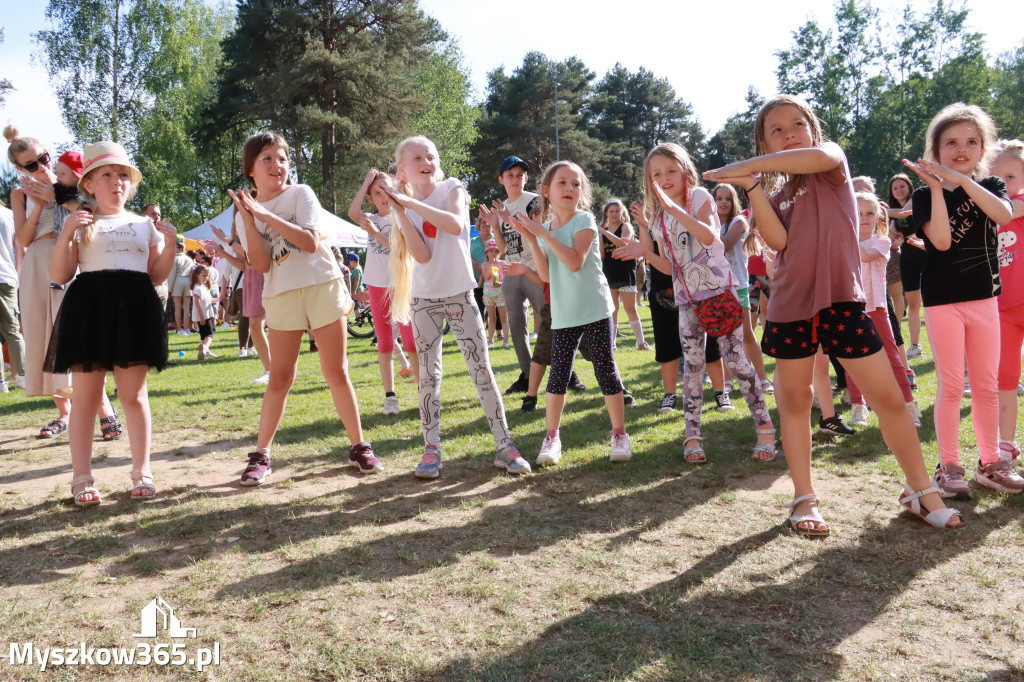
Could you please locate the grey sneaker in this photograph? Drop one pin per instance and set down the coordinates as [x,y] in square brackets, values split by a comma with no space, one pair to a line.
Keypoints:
[430,466]
[510,460]
[949,479]
[914,351]
[999,475]
[622,448]
[550,451]
[915,412]
[390,405]
[859,415]
[669,403]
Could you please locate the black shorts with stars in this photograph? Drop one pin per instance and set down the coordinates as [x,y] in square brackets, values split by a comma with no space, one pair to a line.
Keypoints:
[843,330]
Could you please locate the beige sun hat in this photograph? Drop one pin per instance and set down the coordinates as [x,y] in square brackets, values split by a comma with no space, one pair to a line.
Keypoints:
[105,154]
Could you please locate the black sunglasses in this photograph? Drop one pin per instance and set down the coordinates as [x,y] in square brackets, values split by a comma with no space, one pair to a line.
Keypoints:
[33,166]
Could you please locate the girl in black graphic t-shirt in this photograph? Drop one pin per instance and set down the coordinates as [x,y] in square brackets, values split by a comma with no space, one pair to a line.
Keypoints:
[958,218]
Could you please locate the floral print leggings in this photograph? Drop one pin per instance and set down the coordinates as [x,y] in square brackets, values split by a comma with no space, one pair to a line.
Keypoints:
[693,338]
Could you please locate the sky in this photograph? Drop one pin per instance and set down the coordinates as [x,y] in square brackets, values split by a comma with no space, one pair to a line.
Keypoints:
[710,53]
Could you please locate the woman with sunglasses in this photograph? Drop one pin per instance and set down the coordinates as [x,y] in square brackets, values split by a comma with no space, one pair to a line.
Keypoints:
[38,219]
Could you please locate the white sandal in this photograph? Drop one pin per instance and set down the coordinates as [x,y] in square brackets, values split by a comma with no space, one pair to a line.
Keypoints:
[767,387]
[87,490]
[144,485]
[939,518]
[815,515]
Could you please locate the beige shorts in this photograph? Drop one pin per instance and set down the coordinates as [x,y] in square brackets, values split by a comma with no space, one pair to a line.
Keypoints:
[310,307]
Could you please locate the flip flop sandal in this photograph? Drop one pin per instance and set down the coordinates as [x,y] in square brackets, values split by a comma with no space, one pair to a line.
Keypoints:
[53,429]
[110,427]
[144,485]
[815,515]
[88,489]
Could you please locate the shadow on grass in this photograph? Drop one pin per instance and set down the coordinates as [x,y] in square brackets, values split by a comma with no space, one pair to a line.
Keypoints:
[788,628]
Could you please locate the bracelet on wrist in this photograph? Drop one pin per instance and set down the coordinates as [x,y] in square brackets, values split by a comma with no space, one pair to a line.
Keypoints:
[753,187]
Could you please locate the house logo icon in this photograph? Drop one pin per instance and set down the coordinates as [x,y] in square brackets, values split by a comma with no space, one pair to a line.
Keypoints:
[160,614]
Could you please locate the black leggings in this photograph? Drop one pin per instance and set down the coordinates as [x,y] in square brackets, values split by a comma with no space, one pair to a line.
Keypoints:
[565,342]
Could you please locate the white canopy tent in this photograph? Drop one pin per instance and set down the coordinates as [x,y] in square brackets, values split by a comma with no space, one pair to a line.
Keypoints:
[338,232]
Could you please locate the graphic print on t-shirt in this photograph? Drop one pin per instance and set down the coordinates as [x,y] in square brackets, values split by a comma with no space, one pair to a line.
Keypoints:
[429,229]
[121,240]
[1008,249]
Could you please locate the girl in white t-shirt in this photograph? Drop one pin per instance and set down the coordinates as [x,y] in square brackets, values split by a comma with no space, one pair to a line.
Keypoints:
[111,318]
[303,289]
[378,280]
[432,216]
[203,309]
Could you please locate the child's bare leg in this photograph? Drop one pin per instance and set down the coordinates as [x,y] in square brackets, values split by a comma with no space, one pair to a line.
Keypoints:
[331,339]
[793,396]
[134,397]
[875,379]
[823,386]
[81,423]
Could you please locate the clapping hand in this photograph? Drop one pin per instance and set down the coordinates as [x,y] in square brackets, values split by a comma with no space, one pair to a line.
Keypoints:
[526,226]
[248,207]
[639,213]
[631,249]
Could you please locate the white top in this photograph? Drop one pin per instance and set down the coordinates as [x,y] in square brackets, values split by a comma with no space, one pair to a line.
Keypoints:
[737,259]
[872,273]
[450,269]
[698,272]
[215,280]
[290,267]
[516,250]
[205,300]
[45,224]
[8,273]
[120,242]
[228,272]
[376,273]
[183,266]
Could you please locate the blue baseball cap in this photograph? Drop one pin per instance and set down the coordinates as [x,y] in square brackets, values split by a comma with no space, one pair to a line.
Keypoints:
[512,162]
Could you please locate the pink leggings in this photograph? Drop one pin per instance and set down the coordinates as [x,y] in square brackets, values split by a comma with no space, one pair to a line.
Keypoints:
[380,306]
[880,318]
[956,331]
[1011,338]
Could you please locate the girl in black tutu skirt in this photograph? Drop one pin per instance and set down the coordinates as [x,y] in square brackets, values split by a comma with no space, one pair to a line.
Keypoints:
[111,318]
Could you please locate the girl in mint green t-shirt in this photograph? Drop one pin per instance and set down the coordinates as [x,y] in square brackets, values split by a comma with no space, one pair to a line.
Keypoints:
[581,303]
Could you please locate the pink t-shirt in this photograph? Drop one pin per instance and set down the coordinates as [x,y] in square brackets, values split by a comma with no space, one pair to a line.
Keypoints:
[820,264]
[872,273]
[1011,269]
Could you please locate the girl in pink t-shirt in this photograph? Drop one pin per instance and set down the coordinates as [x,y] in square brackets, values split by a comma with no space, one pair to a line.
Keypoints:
[810,218]
[1008,164]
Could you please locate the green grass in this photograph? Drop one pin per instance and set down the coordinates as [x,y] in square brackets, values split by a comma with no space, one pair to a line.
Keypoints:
[652,570]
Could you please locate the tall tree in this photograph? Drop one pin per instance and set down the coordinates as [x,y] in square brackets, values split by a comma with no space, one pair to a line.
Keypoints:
[630,114]
[735,141]
[337,76]
[518,117]
[1008,95]
[5,85]
[448,118]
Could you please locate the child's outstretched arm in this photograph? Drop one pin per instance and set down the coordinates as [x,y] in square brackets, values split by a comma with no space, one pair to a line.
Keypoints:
[444,220]
[355,209]
[996,208]
[700,226]
[161,256]
[413,241]
[516,269]
[572,257]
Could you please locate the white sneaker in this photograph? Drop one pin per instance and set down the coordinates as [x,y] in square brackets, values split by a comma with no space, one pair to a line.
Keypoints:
[915,412]
[390,405]
[914,351]
[622,448]
[243,352]
[20,382]
[550,451]
[859,415]
[262,379]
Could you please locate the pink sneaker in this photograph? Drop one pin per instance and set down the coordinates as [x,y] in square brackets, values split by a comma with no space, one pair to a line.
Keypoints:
[361,456]
[999,475]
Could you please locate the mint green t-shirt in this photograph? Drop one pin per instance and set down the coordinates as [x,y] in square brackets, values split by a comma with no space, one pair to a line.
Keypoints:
[578,298]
